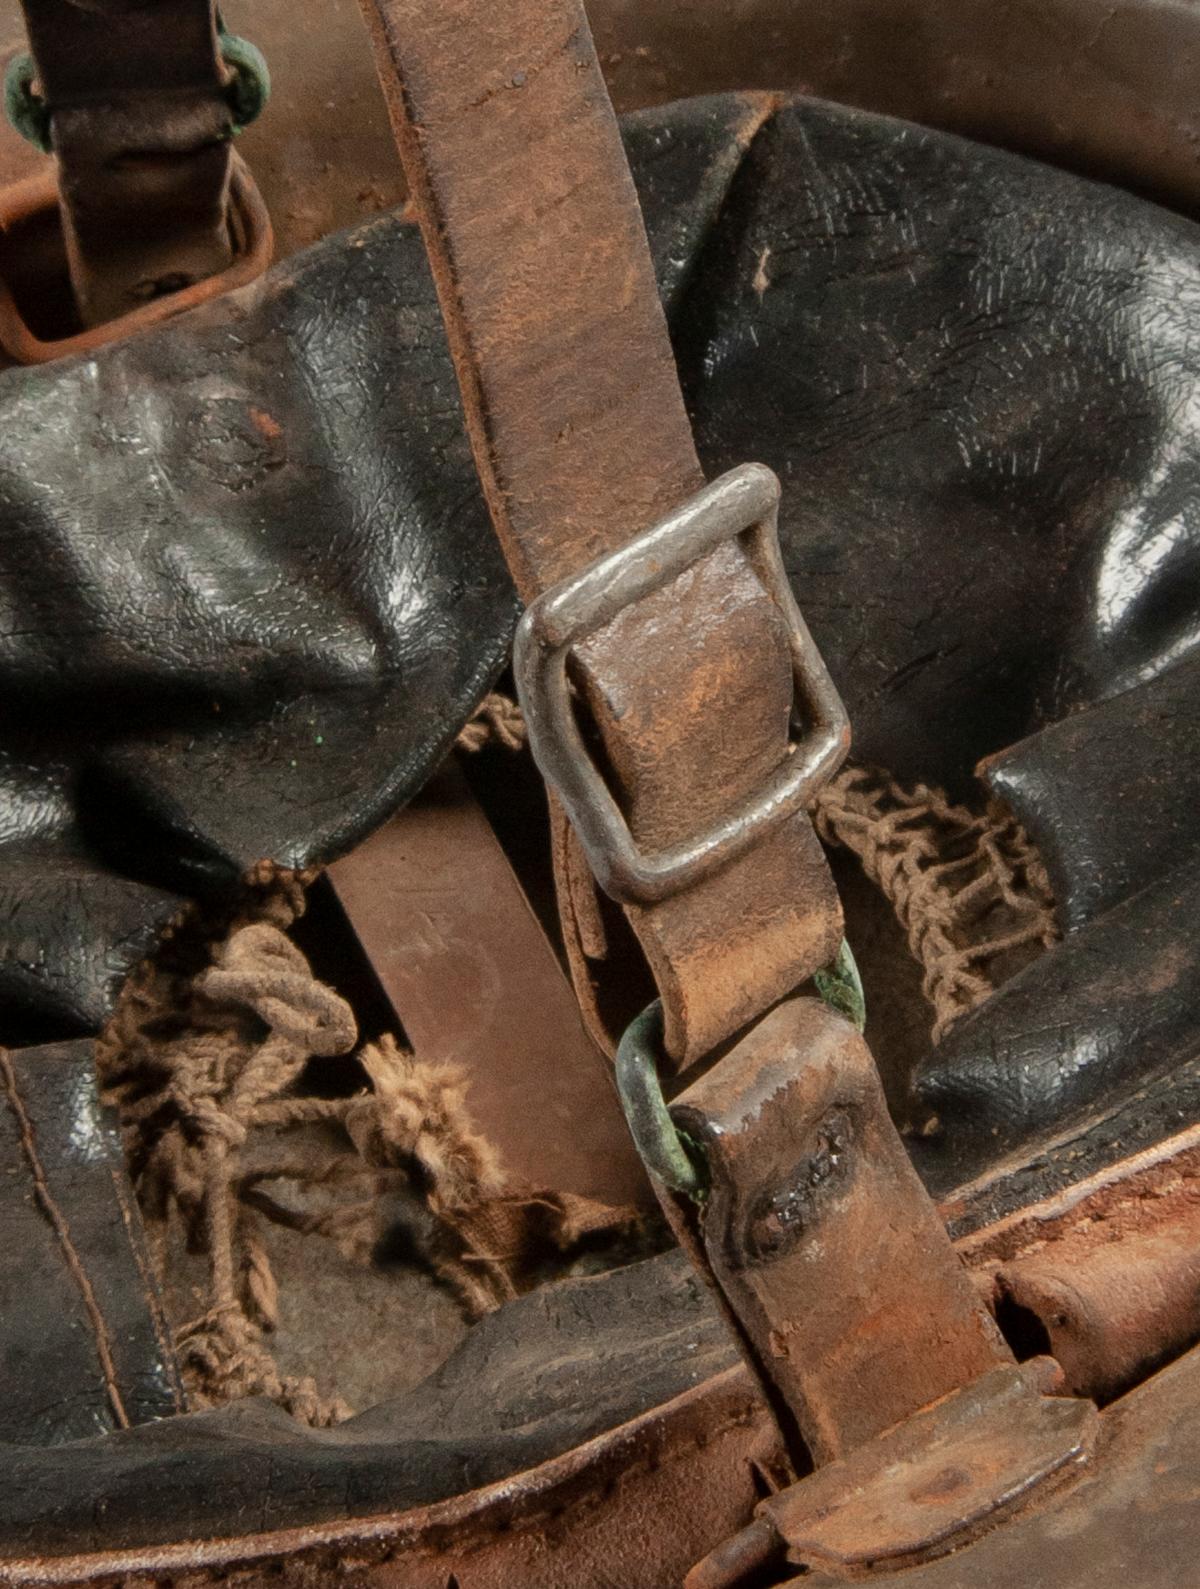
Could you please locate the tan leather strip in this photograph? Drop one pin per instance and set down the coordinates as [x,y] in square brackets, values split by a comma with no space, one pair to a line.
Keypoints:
[582,442]
[472,981]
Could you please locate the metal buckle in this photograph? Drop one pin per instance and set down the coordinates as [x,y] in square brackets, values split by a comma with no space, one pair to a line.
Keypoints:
[742,505]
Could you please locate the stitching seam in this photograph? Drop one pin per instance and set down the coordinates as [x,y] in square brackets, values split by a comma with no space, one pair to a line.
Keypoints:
[62,1230]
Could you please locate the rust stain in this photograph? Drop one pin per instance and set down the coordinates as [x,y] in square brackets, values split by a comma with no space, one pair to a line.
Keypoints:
[266,424]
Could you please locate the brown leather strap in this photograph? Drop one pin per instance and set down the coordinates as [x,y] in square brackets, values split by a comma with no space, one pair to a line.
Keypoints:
[472,981]
[834,1264]
[140,123]
[582,441]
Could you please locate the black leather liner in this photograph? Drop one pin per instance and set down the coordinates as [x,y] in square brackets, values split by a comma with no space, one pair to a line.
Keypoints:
[1125,1124]
[1116,1004]
[80,1334]
[1128,772]
[529,1383]
[973,375]
[229,637]
[248,594]
[1110,794]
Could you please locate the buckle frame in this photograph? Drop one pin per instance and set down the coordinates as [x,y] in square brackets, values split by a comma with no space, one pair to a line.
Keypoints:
[742,505]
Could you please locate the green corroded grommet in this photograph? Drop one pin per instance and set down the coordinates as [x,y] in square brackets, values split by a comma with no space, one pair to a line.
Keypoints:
[667,1153]
[28,112]
[841,987]
[250,86]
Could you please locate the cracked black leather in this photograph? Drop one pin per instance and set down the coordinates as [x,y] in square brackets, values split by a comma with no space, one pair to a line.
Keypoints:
[1111,792]
[83,1349]
[1097,1018]
[972,374]
[1110,796]
[229,636]
[248,594]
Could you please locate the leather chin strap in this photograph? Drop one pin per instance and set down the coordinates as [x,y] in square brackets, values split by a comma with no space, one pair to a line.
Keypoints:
[834,1268]
[582,442]
[141,124]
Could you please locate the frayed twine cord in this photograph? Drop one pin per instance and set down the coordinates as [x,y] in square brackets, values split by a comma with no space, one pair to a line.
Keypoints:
[198,1062]
[967,889]
[497,720]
